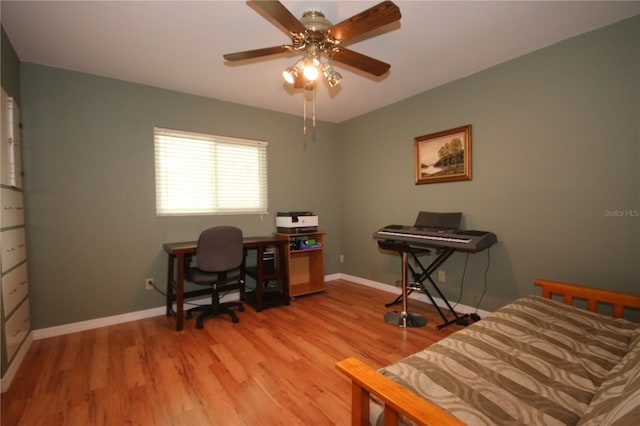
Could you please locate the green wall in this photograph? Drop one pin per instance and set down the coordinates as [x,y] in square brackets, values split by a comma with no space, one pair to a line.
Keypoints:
[555,145]
[93,235]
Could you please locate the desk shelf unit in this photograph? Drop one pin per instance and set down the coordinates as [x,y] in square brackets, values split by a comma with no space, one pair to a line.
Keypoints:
[306,266]
[270,276]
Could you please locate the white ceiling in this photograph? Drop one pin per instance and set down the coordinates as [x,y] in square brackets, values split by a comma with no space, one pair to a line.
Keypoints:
[179,45]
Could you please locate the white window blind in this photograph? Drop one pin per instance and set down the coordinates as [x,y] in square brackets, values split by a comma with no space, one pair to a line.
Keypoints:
[205,174]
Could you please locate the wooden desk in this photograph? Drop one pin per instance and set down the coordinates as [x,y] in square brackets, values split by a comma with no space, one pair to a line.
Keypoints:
[175,275]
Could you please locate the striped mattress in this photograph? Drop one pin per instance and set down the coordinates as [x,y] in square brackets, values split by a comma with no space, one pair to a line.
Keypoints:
[535,361]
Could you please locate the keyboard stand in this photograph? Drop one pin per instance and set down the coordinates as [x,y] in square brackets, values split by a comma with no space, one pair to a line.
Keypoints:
[419,278]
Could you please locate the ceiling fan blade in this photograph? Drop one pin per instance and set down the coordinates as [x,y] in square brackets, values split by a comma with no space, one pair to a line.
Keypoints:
[360,61]
[248,54]
[281,14]
[381,14]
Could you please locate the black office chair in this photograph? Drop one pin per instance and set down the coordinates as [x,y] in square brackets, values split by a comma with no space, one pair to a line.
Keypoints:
[220,264]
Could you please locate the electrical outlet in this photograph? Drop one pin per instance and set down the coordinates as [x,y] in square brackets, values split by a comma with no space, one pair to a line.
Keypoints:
[148,284]
[342,258]
[441,276]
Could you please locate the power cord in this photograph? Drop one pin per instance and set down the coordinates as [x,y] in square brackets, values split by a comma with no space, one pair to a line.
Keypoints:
[464,272]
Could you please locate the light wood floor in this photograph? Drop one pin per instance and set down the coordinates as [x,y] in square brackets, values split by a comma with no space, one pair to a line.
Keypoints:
[275,367]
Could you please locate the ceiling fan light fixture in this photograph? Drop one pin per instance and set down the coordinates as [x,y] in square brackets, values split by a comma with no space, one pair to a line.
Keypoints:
[316,37]
[290,74]
[311,73]
[333,77]
[310,70]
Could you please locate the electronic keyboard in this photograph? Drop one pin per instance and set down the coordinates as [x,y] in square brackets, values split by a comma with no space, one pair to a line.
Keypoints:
[469,241]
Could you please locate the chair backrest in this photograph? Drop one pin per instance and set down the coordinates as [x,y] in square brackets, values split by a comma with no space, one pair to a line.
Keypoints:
[220,249]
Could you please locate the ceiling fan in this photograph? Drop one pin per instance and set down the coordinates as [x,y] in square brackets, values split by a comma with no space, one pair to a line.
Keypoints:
[319,40]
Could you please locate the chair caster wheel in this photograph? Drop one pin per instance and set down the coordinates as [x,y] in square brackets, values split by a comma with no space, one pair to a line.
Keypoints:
[241,308]
[235,320]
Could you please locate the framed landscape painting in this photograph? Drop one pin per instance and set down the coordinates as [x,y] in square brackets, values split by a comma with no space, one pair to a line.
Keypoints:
[444,156]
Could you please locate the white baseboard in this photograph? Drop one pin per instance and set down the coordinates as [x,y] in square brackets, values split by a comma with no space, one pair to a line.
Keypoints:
[154,312]
[415,295]
[332,277]
[60,330]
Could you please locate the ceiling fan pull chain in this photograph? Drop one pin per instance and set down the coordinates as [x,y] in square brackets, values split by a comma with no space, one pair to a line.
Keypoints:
[304,115]
[313,94]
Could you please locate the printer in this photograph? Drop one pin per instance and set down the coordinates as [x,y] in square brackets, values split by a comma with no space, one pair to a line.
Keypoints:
[296,222]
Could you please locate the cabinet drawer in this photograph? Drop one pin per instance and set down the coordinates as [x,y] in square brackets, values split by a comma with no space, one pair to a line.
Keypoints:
[12,208]
[11,169]
[14,248]
[16,328]
[14,288]
[17,165]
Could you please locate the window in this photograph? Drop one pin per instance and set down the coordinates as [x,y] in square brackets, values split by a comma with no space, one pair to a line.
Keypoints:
[206,174]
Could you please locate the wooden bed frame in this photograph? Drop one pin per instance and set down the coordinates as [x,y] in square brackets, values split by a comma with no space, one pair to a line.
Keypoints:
[397,400]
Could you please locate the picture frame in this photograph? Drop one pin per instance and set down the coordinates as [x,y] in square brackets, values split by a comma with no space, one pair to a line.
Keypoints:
[443,156]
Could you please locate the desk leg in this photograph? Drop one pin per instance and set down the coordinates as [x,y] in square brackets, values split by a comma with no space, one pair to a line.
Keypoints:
[405,318]
[283,264]
[170,285]
[180,292]
[259,277]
